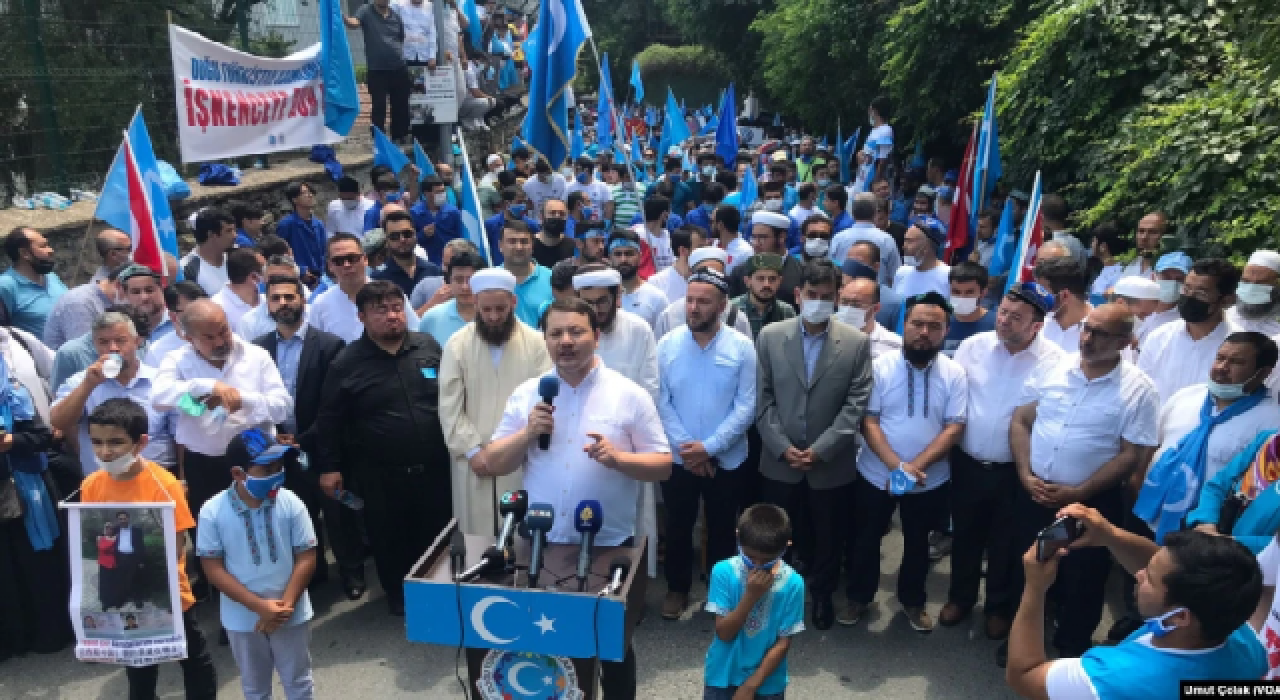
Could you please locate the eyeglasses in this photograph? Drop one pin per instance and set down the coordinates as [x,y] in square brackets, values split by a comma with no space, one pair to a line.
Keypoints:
[119,249]
[399,236]
[1097,331]
[344,260]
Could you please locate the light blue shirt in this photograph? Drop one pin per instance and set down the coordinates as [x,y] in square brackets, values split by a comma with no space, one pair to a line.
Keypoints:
[708,395]
[29,303]
[890,259]
[778,614]
[160,448]
[74,356]
[256,545]
[288,357]
[442,321]
[531,293]
[812,349]
[160,331]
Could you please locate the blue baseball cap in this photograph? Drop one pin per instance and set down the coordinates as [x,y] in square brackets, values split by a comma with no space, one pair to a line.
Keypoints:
[951,177]
[254,447]
[1174,261]
[1036,295]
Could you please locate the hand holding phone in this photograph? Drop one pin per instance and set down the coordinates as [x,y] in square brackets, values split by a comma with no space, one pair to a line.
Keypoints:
[1059,535]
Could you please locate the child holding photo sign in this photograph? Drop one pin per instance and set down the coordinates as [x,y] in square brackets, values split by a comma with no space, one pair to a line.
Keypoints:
[118,432]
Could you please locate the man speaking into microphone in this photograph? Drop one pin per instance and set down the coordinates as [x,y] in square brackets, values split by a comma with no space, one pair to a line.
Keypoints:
[606,438]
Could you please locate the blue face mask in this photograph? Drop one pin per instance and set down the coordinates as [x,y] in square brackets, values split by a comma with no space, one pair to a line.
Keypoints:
[583,178]
[751,566]
[518,210]
[263,487]
[393,197]
[1155,625]
[674,177]
[588,213]
[708,208]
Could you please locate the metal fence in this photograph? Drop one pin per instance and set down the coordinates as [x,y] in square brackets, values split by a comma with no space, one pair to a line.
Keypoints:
[73,71]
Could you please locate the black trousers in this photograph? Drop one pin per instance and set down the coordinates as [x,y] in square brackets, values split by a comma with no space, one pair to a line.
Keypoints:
[394,85]
[1082,577]
[206,477]
[334,527]
[618,678]
[199,676]
[721,495]
[832,518]
[982,514]
[752,482]
[873,509]
[405,509]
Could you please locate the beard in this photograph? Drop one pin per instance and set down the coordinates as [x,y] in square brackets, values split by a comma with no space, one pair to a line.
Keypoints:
[627,270]
[1254,312]
[496,334]
[288,315]
[702,326]
[920,356]
[766,298]
[392,335]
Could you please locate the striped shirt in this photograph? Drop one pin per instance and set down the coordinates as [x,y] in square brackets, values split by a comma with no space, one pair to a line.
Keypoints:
[626,204]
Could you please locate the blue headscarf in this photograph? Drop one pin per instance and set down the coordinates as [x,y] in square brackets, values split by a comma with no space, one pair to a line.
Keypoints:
[40,516]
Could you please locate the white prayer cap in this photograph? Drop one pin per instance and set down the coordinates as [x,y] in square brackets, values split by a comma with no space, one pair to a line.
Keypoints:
[492,278]
[597,278]
[771,218]
[1265,258]
[493,159]
[1139,288]
[705,253]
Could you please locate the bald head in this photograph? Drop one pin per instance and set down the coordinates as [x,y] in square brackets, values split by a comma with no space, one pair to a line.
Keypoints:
[1107,331]
[202,311]
[206,327]
[1052,249]
[114,247]
[1113,317]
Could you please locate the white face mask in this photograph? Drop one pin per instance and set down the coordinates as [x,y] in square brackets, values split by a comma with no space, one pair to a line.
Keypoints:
[815,311]
[773,205]
[910,261]
[440,199]
[117,466]
[853,316]
[708,171]
[1251,293]
[963,306]
[1170,290]
[816,247]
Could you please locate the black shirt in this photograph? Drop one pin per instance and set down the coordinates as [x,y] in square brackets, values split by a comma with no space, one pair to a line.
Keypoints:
[547,255]
[382,410]
[392,272]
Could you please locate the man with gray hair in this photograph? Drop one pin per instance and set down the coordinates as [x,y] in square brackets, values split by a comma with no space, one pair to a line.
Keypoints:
[115,248]
[865,229]
[221,386]
[118,373]
[73,313]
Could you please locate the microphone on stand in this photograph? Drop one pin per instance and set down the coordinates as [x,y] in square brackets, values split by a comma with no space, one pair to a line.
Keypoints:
[587,519]
[538,522]
[618,568]
[512,508]
[457,553]
[494,561]
[548,389]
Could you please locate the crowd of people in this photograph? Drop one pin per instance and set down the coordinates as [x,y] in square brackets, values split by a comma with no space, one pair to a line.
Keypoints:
[789,374]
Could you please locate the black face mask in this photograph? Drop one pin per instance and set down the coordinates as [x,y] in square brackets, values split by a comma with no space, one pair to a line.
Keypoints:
[42,267]
[1193,310]
[553,227]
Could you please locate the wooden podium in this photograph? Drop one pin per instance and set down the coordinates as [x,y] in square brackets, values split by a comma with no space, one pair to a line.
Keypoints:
[522,642]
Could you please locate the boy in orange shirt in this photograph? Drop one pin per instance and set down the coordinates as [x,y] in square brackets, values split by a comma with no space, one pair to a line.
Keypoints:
[118,432]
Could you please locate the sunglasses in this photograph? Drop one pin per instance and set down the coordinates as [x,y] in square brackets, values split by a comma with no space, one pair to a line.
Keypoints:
[344,260]
[399,236]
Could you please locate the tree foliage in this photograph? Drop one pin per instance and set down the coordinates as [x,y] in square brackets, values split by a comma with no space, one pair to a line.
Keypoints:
[725,26]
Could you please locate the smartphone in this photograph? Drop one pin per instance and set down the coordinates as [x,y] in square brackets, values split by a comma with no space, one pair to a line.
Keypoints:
[1056,537]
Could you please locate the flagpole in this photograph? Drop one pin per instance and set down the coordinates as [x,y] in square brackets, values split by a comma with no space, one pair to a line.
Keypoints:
[626,152]
[982,191]
[475,196]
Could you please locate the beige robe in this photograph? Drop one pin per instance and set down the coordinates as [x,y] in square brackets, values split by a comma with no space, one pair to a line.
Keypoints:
[472,397]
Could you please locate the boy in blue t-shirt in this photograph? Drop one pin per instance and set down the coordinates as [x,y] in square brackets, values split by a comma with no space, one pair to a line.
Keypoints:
[968,282]
[257,547]
[758,602]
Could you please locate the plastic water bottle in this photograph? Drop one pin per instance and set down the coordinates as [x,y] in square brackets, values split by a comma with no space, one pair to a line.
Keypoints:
[350,500]
[112,365]
[304,462]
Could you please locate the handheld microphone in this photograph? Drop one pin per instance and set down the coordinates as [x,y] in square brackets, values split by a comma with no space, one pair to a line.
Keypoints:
[619,568]
[587,519]
[512,508]
[548,389]
[457,553]
[538,521]
[494,561]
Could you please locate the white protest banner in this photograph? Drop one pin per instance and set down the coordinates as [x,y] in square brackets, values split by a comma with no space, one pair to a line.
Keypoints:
[433,99]
[231,103]
[125,604]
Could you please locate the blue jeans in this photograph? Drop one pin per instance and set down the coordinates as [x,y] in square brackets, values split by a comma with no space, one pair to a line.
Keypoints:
[709,693]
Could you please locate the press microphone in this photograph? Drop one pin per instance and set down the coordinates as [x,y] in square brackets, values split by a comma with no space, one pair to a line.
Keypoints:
[538,522]
[618,568]
[512,508]
[493,561]
[587,519]
[548,389]
[457,552]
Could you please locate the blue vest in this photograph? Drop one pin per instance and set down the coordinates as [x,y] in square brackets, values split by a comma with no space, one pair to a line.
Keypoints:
[1131,670]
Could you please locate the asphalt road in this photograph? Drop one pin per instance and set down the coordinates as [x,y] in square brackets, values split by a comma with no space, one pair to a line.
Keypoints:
[359,651]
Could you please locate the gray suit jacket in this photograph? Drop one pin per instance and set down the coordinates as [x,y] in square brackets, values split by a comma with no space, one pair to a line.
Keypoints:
[823,414]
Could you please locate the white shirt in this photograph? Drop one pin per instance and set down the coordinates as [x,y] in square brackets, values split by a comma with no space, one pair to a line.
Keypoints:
[1066,338]
[630,350]
[1154,321]
[1181,415]
[539,193]
[660,249]
[1107,279]
[994,379]
[738,251]
[335,312]
[1173,360]
[234,307]
[597,194]
[1081,424]
[419,30]
[798,214]
[898,400]
[647,302]
[339,219]
[211,278]
[670,282]
[264,399]
[1267,326]
[673,317]
[607,403]
[883,341]
[124,540]
[910,281]
[159,349]
[1134,269]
